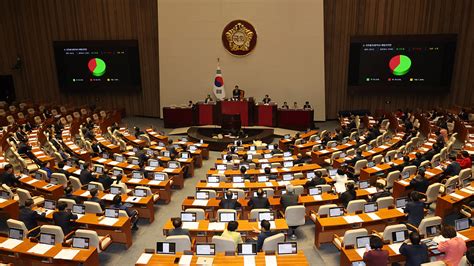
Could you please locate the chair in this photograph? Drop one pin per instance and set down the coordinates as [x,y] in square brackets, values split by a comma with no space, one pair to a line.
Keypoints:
[223,244]
[359,165]
[432,193]
[270,192]
[349,238]
[298,190]
[69,203]
[99,185]
[183,243]
[271,243]
[334,156]
[377,159]
[385,202]
[387,232]
[156,196]
[16,224]
[324,209]
[454,180]
[391,178]
[410,169]
[436,158]
[325,188]
[465,174]
[75,183]
[298,175]
[62,179]
[355,206]
[240,192]
[43,173]
[23,195]
[200,214]
[254,213]
[428,221]
[57,231]
[425,164]
[225,211]
[323,171]
[212,193]
[99,242]
[92,207]
[295,216]
[390,155]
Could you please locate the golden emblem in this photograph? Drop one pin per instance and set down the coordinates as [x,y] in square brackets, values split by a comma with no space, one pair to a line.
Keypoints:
[239,38]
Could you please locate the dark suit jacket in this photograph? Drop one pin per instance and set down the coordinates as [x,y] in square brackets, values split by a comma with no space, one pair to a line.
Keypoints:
[420,186]
[381,194]
[259,203]
[347,196]
[315,181]
[288,200]
[415,212]
[70,196]
[30,217]
[105,181]
[229,204]
[86,177]
[9,179]
[65,220]
[415,254]
[453,169]
[179,232]
[96,148]
[355,159]
[101,202]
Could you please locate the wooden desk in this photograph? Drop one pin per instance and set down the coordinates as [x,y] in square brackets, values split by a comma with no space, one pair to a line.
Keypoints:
[452,202]
[278,171]
[284,144]
[21,256]
[144,206]
[401,187]
[42,188]
[319,156]
[163,187]
[251,186]
[71,146]
[328,226]
[107,145]
[156,136]
[222,259]
[11,208]
[129,138]
[121,231]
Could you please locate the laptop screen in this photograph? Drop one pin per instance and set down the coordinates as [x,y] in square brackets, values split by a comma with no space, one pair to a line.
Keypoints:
[185,155]
[401,202]
[137,175]
[364,184]
[165,247]
[370,164]
[288,177]
[288,164]
[213,179]
[362,241]
[91,186]
[287,154]
[15,233]
[49,204]
[166,154]
[262,178]
[159,176]
[4,195]
[48,239]
[287,248]
[336,212]
[315,191]
[461,224]
[265,165]
[451,188]
[332,172]
[310,175]
[267,155]
[202,195]
[405,175]
[115,190]
[188,216]
[205,249]
[247,249]
[138,192]
[80,242]
[221,167]
[271,147]
[269,216]
[111,213]
[78,209]
[153,163]
[226,216]
[99,169]
[252,148]
[370,207]
[117,172]
[399,236]
[237,179]
[433,230]
[172,165]
[119,158]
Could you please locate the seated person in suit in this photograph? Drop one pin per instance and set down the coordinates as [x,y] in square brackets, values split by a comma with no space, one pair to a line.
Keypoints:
[420,183]
[276,150]
[375,255]
[406,162]
[231,233]
[453,168]
[29,217]
[8,176]
[243,171]
[178,229]
[464,160]
[307,106]
[285,106]
[61,170]
[415,209]
[25,149]
[86,175]
[299,159]
[259,202]
[290,198]
[267,99]
[45,167]
[105,180]
[228,202]
[263,233]
[68,194]
[356,158]
[348,195]
[96,147]
[171,148]
[418,159]
[64,219]
[381,192]
[138,132]
[208,99]
[429,154]
[133,214]
[94,198]
[268,172]
[416,253]
[318,179]
[236,93]
[245,159]
[295,105]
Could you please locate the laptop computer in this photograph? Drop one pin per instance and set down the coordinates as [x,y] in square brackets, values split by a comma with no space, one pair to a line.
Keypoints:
[139,192]
[15,233]
[247,249]
[137,175]
[227,216]
[205,249]
[336,212]
[48,239]
[332,172]
[401,202]
[237,179]
[92,186]
[80,242]
[271,147]
[117,172]
[262,178]
[461,224]
[166,154]
[399,236]
[269,216]
[265,165]
[153,163]
[370,164]
[364,184]
[288,164]
[159,176]
[78,209]
[287,248]
[221,167]
[202,195]
[315,191]
[185,155]
[433,230]
[213,179]
[173,165]
[310,175]
[370,207]
[188,216]
[362,241]
[5,195]
[111,213]
[267,155]
[115,190]
[287,154]
[165,248]
[49,204]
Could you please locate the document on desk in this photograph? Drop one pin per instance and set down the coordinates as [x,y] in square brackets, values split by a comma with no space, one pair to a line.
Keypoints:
[269,184]
[283,183]
[185,260]
[462,237]
[168,170]
[114,163]
[401,210]
[216,226]
[212,185]
[383,146]
[270,260]
[77,172]
[204,261]
[263,161]
[154,182]
[108,221]
[191,225]
[133,199]
[361,252]
[66,254]
[287,158]
[149,168]
[144,258]
[454,195]
[373,216]
[249,260]
[377,168]
[353,219]
[318,198]
[40,249]
[285,169]
[371,190]
[467,191]
[238,185]
[2,200]
[403,182]
[32,181]
[102,160]
[86,194]
[198,202]
[395,247]
[10,243]
[108,197]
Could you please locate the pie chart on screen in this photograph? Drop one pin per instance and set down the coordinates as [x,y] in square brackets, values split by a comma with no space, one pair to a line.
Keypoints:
[400,65]
[97,67]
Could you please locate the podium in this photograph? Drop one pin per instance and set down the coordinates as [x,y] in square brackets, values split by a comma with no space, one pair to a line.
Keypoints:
[265,114]
[175,117]
[298,119]
[243,108]
[206,113]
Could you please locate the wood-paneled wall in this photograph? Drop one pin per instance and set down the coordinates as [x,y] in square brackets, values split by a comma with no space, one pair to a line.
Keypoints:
[345,18]
[29,27]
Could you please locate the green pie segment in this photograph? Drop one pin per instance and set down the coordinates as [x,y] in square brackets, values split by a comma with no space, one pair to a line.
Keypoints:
[97,66]
[400,65]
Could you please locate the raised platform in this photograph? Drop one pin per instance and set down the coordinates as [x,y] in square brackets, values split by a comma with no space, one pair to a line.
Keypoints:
[218,141]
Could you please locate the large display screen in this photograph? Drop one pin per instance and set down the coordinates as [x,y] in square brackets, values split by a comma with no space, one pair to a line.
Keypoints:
[97,65]
[401,63]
